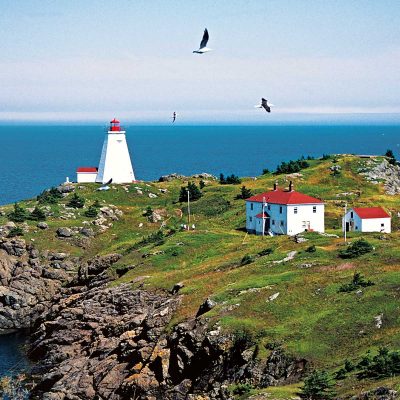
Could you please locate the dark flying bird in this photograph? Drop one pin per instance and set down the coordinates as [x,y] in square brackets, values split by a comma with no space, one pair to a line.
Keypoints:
[203,45]
[173,117]
[264,104]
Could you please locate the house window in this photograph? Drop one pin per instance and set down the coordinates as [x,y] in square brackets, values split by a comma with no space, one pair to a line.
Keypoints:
[251,206]
[251,219]
[273,222]
[295,210]
[314,209]
[351,215]
[280,210]
[282,223]
[269,207]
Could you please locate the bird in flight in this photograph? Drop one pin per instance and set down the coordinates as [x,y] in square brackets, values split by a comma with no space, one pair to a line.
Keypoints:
[174,117]
[203,44]
[264,104]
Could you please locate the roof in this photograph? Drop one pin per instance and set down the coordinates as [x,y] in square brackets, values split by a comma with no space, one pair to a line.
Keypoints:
[371,212]
[262,215]
[284,197]
[86,169]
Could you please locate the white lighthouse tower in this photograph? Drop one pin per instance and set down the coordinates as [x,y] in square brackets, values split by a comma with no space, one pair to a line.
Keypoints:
[115,162]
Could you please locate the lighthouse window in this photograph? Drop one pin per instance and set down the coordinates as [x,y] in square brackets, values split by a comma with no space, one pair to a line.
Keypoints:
[314,209]
[295,210]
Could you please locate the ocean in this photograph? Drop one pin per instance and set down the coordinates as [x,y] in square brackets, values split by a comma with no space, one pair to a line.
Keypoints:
[36,157]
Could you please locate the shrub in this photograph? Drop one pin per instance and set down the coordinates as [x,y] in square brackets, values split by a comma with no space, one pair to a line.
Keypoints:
[247,259]
[340,374]
[230,179]
[391,158]
[311,249]
[385,364]
[357,282]
[244,193]
[349,366]
[317,386]
[148,212]
[326,156]
[194,192]
[265,171]
[17,231]
[356,249]
[266,252]
[291,166]
[18,214]
[49,196]
[76,201]
[241,388]
[202,184]
[37,214]
[91,212]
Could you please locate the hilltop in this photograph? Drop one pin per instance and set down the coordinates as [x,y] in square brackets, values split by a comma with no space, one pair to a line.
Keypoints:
[279,295]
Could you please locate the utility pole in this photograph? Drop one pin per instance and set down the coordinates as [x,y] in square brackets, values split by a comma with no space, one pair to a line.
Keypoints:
[188,201]
[263,218]
[344,222]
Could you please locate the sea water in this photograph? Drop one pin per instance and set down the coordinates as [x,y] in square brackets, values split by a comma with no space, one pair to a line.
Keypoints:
[34,157]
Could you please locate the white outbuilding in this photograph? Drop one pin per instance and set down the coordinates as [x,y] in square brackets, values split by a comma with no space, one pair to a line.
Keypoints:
[86,174]
[367,219]
[284,212]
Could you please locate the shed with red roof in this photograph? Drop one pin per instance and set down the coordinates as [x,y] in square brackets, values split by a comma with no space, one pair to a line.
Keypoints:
[367,219]
[86,174]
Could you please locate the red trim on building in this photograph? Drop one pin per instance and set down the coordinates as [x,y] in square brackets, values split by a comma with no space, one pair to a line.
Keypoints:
[284,197]
[371,212]
[86,169]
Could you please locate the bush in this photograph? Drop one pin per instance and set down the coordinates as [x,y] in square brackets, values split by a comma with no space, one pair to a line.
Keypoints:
[340,374]
[311,249]
[317,386]
[357,282]
[148,212]
[37,214]
[17,231]
[356,249]
[385,364]
[202,184]
[49,196]
[230,179]
[18,214]
[291,166]
[266,252]
[265,171]
[326,156]
[194,192]
[247,259]
[391,158]
[76,201]
[244,193]
[91,212]
[241,388]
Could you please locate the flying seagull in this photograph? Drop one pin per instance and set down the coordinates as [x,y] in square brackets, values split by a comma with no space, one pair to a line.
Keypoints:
[264,104]
[174,117]
[203,45]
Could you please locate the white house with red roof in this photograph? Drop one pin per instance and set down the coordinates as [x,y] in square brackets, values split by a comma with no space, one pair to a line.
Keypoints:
[115,162]
[367,219]
[284,212]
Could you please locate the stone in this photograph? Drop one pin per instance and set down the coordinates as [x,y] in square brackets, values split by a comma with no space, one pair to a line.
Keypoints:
[206,306]
[64,232]
[42,225]
[88,232]
[152,195]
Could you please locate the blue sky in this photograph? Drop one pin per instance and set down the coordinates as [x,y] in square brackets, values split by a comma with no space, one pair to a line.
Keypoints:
[89,60]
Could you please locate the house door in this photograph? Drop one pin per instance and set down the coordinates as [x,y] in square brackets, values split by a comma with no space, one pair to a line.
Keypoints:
[347,226]
[267,224]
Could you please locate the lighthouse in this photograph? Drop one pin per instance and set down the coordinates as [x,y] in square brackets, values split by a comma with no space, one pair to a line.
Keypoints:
[115,161]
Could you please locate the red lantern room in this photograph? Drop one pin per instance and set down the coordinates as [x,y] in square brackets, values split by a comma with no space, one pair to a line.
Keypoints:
[114,125]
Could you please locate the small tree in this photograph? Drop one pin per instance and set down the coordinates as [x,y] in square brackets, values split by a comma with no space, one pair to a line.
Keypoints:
[19,214]
[356,249]
[317,386]
[76,201]
[233,179]
[16,231]
[37,214]
[49,196]
[244,193]
[194,192]
[389,154]
[222,180]
[91,212]
[202,184]
[265,171]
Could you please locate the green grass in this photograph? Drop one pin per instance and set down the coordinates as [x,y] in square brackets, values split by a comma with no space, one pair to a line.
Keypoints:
[309,317]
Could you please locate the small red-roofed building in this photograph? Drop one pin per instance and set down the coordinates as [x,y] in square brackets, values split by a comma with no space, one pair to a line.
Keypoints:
[86,174]
[284,212]
[367,219]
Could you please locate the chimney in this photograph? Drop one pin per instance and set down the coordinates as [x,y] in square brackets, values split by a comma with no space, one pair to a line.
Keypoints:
[291,186]
[275,186]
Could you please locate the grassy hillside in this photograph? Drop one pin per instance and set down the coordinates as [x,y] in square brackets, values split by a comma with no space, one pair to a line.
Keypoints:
[309,317]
